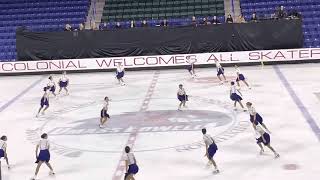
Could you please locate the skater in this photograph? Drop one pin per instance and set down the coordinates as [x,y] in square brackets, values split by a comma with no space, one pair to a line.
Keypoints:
[240,77]
[44,155]
[211,148]
[182,97]
[104,116]
[220,71]
[263,137]
[64,82]
[3,149]
[51,86]
[235,95]
[131,165]
[120,74]
[255,117]
[44,101]
[191,68]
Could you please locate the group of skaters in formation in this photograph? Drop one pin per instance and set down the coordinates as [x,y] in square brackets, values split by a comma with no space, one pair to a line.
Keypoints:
[261,130]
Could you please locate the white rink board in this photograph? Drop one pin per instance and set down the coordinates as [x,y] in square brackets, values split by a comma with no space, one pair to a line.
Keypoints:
[283,55]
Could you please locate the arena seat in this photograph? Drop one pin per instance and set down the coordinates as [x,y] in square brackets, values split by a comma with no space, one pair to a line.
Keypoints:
[37,15]
[309,9]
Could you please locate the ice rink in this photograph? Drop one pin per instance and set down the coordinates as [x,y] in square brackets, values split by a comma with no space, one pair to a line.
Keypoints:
[167,143]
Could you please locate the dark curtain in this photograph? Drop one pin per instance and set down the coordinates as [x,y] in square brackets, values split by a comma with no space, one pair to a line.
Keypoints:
[279,34]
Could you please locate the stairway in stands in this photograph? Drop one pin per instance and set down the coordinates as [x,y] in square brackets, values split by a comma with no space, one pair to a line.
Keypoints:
[95,14]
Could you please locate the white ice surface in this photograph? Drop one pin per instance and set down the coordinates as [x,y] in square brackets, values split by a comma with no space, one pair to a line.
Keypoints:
[87,154]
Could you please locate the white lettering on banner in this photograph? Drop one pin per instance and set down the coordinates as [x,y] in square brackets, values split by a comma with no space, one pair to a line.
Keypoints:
[161,60]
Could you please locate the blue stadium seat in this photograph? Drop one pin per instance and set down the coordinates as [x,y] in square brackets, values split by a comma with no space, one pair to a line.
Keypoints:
[310,10]
[38,15]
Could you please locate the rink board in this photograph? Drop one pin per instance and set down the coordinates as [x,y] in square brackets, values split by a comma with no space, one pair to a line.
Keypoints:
[161,61]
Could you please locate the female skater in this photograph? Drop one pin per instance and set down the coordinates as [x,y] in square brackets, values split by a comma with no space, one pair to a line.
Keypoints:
[234,96]
[191,68]
[3,149]
[263,137]
[255,117]
[64,82]
[211,148]
[131,165]
[51,86]
[120,74]
[44,101]
[182,97]
[44,155]
[220,71]
[240,77]
[104,116]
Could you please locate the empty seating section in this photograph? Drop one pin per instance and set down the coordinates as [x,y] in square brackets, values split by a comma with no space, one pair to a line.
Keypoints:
[38,15]
[125,10]
[310,10]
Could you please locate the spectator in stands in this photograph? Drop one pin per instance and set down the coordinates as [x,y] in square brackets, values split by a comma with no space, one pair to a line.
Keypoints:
[81,27]
[254,17]
[281,13]
[208,20]
[194,21]
[164,23]
[94,26]
[241,19]
[68,27]
[294,14]
[118,25]
[229,19]
[204,21]
[104,26]
[132,24]
[144,23]
[215,20]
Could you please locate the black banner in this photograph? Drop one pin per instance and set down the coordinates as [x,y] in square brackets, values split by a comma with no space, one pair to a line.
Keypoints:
[273,34]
